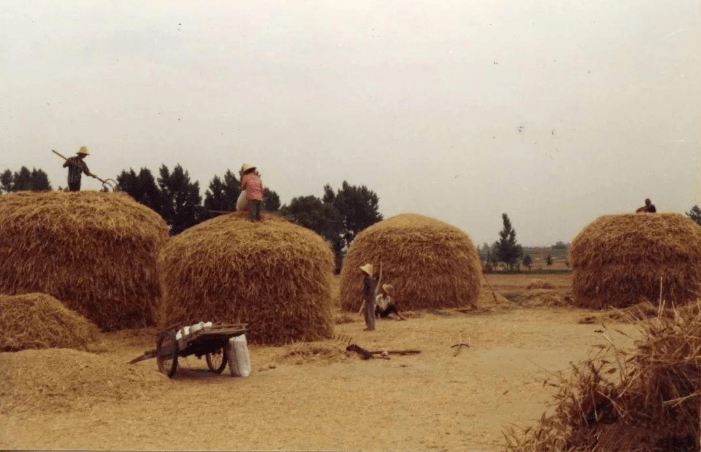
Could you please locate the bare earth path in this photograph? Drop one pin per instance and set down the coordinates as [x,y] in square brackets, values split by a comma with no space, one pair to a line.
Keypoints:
[334,400]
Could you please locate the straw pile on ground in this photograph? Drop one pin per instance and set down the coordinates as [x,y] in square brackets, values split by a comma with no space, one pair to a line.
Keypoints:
[96,252]
[273,274]
[38,320]
[621,260]
[539,284]
[67,380]
[430,264]
[644,400]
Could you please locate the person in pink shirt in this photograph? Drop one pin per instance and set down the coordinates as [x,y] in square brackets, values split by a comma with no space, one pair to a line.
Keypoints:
[251,183]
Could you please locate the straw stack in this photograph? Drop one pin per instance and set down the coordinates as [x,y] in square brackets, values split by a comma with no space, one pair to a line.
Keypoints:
[431,264]
[96,252]
[272,274]
[644,400]
[621,260]
[37,320]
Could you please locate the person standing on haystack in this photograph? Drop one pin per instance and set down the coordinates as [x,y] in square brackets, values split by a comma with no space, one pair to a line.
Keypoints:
[649,207]
[384,305]
[253,186]
[76,167]
[370,284]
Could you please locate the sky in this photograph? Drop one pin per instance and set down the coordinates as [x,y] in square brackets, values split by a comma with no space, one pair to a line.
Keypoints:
[552,111]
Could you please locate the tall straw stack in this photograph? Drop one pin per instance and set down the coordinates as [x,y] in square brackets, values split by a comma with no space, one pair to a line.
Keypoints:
[272,274]
[430,264]
[621,260]
[96,252]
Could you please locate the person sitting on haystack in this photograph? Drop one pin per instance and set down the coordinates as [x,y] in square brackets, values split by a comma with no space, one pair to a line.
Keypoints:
[384,305]
[649,207]
[76,167]
[370,284]
[253,186]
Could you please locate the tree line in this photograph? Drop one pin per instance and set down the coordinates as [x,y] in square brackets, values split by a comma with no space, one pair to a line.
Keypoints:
[338,216]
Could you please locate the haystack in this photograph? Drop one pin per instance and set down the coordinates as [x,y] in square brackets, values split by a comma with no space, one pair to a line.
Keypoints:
[431,264]
[644,400]
[273,274]
[621,260]
[38,320]
[96,252]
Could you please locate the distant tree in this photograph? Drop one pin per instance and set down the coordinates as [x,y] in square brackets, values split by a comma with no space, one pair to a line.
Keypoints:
[271,200]
[24,180]
[549,260]
[312,213]
[559,246]
[358,206]
[509,251]
[181,207]
[222,194]
[142,187]
[695,214]
[528,261]
[494,253]
[6,181]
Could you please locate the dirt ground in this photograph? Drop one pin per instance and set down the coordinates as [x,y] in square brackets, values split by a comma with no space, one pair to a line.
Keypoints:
[314,396]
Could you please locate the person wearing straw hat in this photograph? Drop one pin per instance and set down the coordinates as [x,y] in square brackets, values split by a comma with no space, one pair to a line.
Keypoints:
[253,186]
[384,305]
[649,207]
[76,167]
[370,284]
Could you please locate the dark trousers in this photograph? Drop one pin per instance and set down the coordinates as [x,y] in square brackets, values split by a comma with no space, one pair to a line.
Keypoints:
[254,209]
[369,314]
[387,311]
[74,186]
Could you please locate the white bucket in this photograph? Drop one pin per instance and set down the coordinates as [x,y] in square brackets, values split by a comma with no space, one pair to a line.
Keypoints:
[242,202]
[239,360]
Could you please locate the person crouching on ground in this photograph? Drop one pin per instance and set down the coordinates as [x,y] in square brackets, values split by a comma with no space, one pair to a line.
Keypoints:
[370,284]
[384,305]
[251,183]
[76,167]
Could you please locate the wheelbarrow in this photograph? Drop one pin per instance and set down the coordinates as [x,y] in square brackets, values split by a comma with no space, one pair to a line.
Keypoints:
[208,342]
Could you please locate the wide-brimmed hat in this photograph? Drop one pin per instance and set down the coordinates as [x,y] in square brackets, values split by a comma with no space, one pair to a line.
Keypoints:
[387,287]
[367,268]
[246,168]
[83,150]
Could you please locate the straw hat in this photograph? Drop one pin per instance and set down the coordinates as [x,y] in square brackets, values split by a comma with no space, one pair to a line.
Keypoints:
[83,150]
[246,167]
[387,287]
[367,268]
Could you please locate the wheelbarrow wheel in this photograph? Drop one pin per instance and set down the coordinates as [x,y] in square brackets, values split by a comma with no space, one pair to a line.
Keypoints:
[216,361]
[167,353]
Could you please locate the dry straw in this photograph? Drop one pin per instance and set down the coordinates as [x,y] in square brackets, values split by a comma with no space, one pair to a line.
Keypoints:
[94,251]
[38,320]
[621,260]
[273,274]
[642,400]
[431,264]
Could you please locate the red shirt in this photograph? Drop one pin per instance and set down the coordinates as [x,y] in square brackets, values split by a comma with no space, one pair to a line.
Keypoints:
[254,186]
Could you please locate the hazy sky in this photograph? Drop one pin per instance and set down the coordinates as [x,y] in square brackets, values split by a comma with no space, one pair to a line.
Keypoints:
[554,112]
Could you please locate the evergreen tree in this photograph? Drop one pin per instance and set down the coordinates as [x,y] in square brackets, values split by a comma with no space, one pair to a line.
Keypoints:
[222,194]
[358,206]
[271,200]
[509,251]
[695,214]
[6,181]
[181,207]
[24,180]
[142,187]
